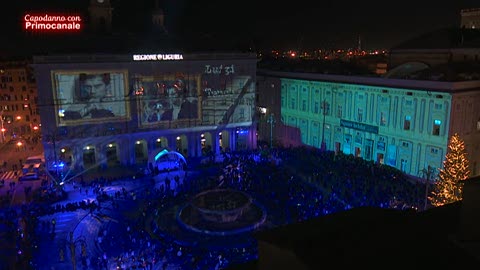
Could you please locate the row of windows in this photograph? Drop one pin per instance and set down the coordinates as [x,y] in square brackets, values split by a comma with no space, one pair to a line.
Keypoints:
[318,105]
[11,118]
[4,86]
[5,79]
[15,107]
[8,97]
[436,125]
[360,115]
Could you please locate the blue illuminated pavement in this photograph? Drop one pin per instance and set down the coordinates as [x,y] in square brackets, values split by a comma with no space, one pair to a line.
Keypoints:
[87,226]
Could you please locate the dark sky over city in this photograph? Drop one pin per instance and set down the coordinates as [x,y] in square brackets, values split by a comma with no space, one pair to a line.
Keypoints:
[273,24]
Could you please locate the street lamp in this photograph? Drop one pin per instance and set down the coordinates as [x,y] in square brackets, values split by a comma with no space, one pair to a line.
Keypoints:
[3,133]
[271,121]
[2,128]
[19,144]
[427,173]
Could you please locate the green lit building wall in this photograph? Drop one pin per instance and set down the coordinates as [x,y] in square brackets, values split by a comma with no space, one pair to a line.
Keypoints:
[404,128]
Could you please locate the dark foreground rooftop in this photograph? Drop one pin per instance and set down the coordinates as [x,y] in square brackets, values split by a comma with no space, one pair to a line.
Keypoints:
[365,238]
[443,237]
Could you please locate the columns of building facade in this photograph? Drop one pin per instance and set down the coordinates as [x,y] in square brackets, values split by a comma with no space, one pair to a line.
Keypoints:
[127,150]
[100,155]
[172,142]
[233,139]
[193,143]
[252,137]
[77,157]
[198,145]
[215,138]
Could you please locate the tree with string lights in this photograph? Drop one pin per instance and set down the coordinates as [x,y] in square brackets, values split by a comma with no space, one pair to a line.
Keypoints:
[448,187]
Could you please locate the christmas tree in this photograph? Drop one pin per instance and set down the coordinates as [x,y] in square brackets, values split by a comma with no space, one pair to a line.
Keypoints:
[448,187]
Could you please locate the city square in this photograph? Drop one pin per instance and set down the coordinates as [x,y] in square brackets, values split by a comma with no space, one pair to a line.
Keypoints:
[185,135]
[109,222]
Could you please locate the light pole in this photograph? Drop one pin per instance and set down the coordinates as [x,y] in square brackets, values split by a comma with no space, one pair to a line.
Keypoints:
[52,166]
[3,133]
[323,146]
[2,129]
[55,156]
[426,173]
[271,121]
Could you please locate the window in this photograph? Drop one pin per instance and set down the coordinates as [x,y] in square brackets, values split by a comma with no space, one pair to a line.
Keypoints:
[326,108]
[436,127]
[304,105]
[383,119]
[403,165]
[339,111]
[293,103]
[358,138]
[241,114]
[406,123]
[434,150]
[381,146]
[316,107]
[360,115]
[438,106]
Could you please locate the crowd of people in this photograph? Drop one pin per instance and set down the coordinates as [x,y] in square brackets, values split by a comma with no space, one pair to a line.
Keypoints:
[292,184]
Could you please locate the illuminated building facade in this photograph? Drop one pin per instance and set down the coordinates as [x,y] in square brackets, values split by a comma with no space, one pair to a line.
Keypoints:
[18,102]
[402,123]
[108,110]
[470,18]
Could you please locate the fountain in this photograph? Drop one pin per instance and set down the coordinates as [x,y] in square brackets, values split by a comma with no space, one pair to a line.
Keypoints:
[221,212]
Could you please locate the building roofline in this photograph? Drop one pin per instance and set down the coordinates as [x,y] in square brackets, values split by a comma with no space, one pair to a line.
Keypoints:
[421,85]
[104,58]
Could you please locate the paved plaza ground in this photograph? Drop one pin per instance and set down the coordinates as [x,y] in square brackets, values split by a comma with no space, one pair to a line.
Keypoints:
[104,219]
[86,226]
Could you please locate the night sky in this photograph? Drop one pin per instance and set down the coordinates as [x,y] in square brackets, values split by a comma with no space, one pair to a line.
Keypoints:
[272,24]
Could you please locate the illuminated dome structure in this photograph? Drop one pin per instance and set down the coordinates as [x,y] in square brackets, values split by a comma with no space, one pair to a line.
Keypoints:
[169,160]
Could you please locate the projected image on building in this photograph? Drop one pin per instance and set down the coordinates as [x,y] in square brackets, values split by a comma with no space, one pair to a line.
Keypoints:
[167,98]
[227,99]
[210,98]
[84,97]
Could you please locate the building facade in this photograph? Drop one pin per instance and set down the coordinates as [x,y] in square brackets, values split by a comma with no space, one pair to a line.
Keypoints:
[19,117]
[402,123]
[108,110]
[470,18]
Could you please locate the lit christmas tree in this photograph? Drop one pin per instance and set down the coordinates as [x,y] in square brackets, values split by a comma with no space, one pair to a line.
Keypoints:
[448,187]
